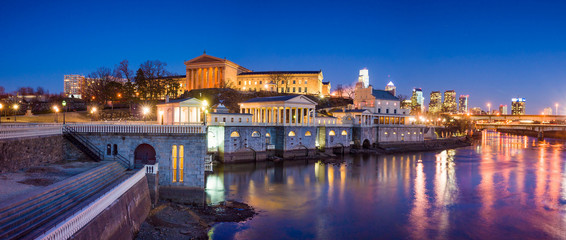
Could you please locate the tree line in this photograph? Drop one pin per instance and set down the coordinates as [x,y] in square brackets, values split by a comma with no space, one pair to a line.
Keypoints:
[150,82]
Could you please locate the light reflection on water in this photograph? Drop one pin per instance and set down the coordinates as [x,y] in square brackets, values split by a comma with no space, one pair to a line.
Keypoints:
[504,187]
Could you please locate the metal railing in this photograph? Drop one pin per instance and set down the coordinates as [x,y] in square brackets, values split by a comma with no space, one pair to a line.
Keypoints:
[116,128]
[152,169]
[73,224]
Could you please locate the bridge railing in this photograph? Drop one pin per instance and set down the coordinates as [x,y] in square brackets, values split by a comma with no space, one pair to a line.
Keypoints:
[73,224]
[19,131]
[115,128]
[151,169]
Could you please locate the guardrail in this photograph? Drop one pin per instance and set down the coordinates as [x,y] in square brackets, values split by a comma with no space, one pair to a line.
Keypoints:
[71,225]
[152,169]
[111,128]
[29,131]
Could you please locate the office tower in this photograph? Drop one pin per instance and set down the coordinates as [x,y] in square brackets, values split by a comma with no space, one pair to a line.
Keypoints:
[391,88]
[417,101]
[435,104]
[463,103]
[364,77]
[518,106]
[72,85]
[449,105]
[503,109]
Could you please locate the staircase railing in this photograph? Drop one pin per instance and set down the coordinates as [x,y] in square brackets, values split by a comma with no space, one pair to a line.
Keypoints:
[91,147]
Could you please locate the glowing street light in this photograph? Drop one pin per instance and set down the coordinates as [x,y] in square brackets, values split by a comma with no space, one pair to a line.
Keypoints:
[15,107]
[145,111]
[1,106]
[205,110]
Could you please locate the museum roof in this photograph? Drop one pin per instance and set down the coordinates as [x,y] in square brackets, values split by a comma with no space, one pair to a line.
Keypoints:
[282,72]
[383,95]
[272,99]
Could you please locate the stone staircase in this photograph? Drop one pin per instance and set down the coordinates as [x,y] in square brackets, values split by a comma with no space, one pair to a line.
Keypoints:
[31,214]
[83,144]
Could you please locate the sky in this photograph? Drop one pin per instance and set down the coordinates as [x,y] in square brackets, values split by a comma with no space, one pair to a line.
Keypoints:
[490,50]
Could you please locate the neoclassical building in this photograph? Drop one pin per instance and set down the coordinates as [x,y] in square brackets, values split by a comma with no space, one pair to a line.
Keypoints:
[207,71]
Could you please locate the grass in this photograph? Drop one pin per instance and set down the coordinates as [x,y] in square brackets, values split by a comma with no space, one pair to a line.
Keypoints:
[49,118]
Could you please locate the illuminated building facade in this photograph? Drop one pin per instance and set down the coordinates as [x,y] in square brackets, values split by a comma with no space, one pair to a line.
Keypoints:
[435,104]
[391,88]
[503,109]
[364,77]
[417,101]
[518,106]
[449,105]
[463,103]
[547,111]
[72,85]
[206,71]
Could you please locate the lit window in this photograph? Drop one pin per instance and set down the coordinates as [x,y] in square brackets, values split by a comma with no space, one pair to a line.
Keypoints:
[344,133]
[308,133]
[291,134]
[385,133]
[181,160]
[256,134]
[331,133]
[174,162]
[306,82]
[234,134]
[267,135]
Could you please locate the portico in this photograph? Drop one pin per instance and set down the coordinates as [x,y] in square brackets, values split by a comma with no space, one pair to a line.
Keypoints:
[293,110]
[180,112]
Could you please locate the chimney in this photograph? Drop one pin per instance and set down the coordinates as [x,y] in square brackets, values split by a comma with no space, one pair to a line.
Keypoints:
[166,98]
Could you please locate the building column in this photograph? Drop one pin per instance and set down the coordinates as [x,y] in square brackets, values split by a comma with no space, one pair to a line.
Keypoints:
[272,115]
[284,115]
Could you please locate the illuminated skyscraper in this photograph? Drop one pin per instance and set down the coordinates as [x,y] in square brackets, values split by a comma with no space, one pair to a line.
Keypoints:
[503,109]
[72,85]
[463,102]
[518,106]
[450,105]
[435,104]
[417,101]
[364,77]
[547,111]
[391,88]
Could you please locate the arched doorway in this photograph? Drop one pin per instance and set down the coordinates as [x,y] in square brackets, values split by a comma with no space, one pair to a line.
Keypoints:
[366,144]
[144,155]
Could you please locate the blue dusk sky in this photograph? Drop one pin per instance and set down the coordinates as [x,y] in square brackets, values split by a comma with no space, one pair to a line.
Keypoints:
[491,50]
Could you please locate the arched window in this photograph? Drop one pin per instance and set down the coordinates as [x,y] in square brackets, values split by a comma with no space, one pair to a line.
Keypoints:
[291,134]
[181,162]
[174,162]
[308,133]
[234,134]
[108,149]
[267,135]
[332,133]
[344,133]
[256,134]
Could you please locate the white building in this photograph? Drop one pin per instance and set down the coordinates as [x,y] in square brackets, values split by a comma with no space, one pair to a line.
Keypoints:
[180,112]
[364,77]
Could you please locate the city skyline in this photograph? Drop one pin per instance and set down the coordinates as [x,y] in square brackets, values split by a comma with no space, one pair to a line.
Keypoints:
[509,50]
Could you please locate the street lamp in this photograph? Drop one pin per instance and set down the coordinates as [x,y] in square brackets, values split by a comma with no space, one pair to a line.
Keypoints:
[15,111]
[204,106]
[64,103]
[145,111]
[56,110]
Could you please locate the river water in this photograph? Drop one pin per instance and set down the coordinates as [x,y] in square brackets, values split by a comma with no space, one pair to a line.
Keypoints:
[503,187]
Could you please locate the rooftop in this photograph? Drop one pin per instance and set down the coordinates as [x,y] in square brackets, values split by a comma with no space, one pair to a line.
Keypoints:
[280,72]
[272,99]
[384,95]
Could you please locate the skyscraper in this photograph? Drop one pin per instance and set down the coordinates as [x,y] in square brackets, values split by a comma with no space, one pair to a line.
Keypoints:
[547,111]
[72,85]
[364,77]
[417,101]
[518,106]
[503,109]
[450,105]
[391,88]
[463,102]
[435,104]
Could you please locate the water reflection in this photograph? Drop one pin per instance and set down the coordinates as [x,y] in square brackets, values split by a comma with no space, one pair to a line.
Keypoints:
[504,187]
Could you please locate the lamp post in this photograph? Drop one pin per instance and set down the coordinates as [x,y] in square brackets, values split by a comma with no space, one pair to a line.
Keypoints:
[145,111]
[92,112]
[56,110]
[15,111]
[64,103]
[1,106]
[205,111]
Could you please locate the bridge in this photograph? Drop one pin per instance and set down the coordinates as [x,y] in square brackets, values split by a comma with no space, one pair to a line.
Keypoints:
[539,118]
[531,127]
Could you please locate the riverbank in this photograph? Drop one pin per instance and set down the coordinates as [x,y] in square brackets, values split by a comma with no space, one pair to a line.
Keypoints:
[427,145]
[170,220]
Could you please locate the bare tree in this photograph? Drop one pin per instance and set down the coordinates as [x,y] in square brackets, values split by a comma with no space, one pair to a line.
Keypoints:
[153,71]
[340,90]
[280,79]
[96,85]
[350,91]
[123,70]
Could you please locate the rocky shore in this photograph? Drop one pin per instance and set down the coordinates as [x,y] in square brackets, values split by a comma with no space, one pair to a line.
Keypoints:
[427,145]
[169,220]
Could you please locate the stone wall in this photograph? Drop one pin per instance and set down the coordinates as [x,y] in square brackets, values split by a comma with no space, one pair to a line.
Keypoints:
[19,153]
[401,133]
[195,147]
[361,134]
[123,218]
